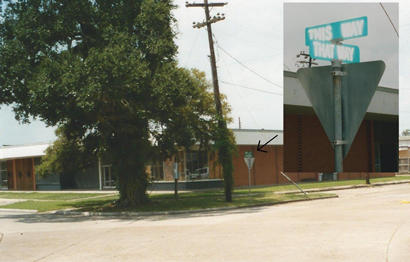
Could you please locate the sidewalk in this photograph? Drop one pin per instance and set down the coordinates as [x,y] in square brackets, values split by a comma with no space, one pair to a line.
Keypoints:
[315,190]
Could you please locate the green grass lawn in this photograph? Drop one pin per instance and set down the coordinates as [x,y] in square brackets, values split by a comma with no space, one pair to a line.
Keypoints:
[166,202]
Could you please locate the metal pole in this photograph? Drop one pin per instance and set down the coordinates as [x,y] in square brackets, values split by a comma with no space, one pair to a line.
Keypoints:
[249,180]
[176,176]
[338,143]
[99,174]
[290,180]
[176,188]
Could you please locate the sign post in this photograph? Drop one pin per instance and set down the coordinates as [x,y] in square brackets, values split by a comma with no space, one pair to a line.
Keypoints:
[338,142]
[249,160]
[176,177]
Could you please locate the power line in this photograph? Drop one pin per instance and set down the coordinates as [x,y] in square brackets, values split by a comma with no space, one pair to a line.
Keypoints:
[244,102]
[389,19]
[193,45]
[239,62]
[250,88]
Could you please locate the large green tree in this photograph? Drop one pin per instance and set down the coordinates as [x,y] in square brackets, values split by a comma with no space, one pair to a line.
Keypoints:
[105,73]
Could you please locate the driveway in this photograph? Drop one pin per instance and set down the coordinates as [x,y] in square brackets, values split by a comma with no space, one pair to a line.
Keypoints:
[367,224]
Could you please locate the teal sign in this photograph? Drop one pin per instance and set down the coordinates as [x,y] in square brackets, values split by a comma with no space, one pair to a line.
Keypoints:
[328,51]
[342,30]
[249,159]
[248,154]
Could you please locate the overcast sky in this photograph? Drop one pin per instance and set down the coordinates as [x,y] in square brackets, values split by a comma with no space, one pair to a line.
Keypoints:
[252,34]
[381,43]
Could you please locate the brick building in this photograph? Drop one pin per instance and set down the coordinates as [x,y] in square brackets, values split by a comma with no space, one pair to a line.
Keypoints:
[17,166]
[404,154]
[194,164]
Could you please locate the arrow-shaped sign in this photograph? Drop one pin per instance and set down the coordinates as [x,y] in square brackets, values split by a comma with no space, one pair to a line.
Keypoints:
[259,148]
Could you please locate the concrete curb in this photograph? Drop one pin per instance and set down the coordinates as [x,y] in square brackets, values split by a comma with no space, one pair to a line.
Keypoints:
[15,210]
[179,212]
[315,190]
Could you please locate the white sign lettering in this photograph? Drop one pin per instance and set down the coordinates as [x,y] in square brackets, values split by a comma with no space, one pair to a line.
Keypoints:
[321,33]
[329,51]
[324,50]
[345,52]
[337,31]
[352,29]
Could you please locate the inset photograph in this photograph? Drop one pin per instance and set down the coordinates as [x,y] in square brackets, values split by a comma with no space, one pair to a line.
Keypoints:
[341,90]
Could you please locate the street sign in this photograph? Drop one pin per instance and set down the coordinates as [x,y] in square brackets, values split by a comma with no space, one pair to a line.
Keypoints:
[328,51]
[248,154]
[342,30]
[175,171]
[358,87]
[249,159]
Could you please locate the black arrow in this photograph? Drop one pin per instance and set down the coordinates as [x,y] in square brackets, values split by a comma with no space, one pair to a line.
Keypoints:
[259,148]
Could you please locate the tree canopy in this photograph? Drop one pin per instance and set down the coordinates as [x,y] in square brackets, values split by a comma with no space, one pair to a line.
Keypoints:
[105,73]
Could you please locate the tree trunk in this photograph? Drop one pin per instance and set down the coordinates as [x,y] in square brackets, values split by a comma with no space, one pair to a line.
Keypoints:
[132,185]
[129,153]
[227,169]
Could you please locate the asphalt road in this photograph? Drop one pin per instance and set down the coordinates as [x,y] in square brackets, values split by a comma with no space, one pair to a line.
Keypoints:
[367,224]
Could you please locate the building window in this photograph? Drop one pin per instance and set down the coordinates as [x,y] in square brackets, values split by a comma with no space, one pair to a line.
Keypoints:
[404,165]
[180,159]
[197,165]
[3,174]
[109,181]
[157,170]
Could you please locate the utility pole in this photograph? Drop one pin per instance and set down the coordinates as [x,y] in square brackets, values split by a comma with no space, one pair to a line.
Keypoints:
[224,151]
[306,55]
[208,21]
